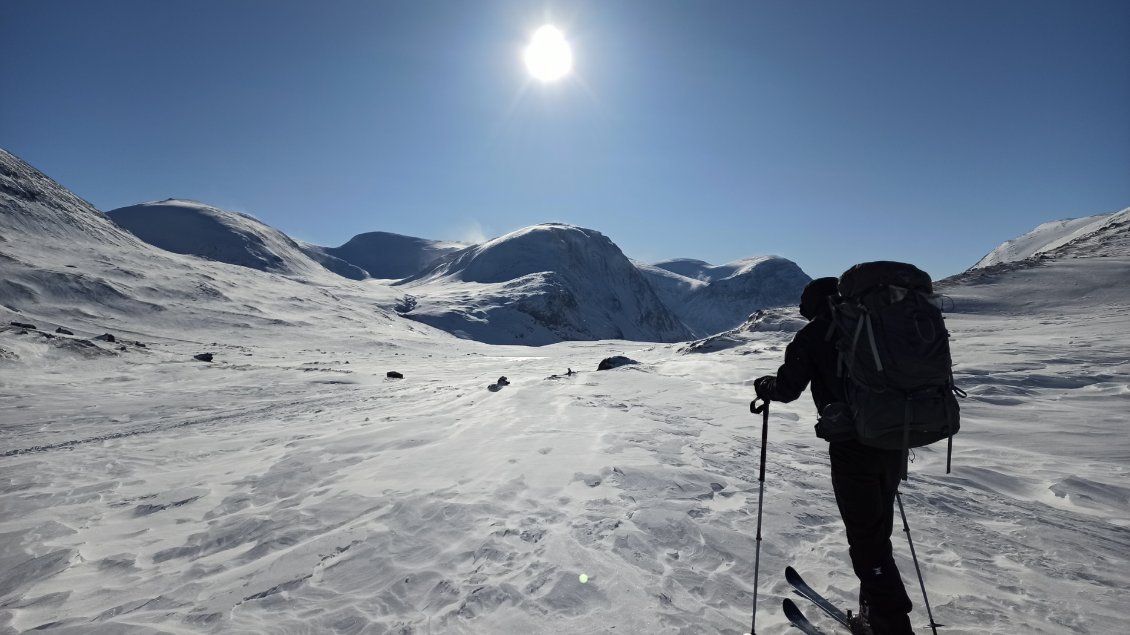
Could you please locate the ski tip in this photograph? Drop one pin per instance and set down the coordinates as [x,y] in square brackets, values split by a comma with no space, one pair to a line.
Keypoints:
[789,606]
[791,574]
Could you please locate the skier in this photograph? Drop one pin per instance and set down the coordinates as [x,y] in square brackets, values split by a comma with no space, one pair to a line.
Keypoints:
[865,479]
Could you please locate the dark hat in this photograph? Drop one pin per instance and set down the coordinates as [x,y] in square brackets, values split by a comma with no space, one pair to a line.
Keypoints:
[814,298]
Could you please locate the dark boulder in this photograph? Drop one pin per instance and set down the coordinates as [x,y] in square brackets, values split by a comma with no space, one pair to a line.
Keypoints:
[203,357]
[63,331]
[106,337]
[608,363]
[392,374]
[24,325]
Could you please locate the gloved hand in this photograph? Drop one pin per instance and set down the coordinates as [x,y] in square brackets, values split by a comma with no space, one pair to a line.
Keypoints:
[764,387]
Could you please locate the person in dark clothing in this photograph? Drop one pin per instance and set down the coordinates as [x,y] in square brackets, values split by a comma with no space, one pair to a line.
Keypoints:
[864,479]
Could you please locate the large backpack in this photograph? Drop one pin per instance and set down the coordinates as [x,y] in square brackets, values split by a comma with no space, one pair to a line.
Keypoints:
[894,357]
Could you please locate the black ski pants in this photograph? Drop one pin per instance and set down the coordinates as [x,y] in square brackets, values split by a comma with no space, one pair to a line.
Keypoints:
[865,481]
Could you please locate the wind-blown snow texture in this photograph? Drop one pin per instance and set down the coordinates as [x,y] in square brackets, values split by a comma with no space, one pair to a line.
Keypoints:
[289,487]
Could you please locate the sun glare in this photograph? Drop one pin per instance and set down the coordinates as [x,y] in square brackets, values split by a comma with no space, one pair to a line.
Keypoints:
[548,57]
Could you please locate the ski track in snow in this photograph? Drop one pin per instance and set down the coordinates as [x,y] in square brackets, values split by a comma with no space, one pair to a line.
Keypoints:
[260,495]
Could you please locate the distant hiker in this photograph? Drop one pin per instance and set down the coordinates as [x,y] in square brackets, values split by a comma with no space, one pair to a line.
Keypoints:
[865,479]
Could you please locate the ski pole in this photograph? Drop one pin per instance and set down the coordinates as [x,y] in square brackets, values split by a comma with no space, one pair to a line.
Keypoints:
[906,527]
[762,410]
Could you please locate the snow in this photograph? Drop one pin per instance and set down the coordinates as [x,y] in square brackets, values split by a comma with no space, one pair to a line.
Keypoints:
[711,299]
[190,227]
[290,487]
[1054,235]
[540,285]
[392,256]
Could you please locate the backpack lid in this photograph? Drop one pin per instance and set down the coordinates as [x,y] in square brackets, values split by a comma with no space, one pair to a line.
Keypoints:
[862,278]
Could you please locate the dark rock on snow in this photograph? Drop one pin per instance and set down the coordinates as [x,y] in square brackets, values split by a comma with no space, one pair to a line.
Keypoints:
[63,331]
[609,363]
[203,357]
[106,337]
[24,325]
[392,374]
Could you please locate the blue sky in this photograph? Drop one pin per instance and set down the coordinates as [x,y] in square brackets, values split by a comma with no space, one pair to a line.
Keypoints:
[826,132]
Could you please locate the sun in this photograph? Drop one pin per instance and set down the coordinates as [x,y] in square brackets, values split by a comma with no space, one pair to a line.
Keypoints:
[548,57]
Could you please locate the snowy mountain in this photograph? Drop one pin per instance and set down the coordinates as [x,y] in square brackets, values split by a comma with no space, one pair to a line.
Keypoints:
[196,229]
[64,263]
[538,285]
[36,206]
[389,256]
[323,256]
[710,299]
[292,485]
[1081,236]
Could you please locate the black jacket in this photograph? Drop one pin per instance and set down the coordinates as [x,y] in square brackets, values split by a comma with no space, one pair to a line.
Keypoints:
[810,357]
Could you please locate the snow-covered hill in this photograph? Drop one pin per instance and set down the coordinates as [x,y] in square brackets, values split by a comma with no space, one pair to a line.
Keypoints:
[65,264]
[1089,236]
[392,256]
[538,285]
[196,229]
[710,299]
[342,268]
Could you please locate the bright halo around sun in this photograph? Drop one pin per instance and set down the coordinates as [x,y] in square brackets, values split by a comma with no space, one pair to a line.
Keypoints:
[549,57]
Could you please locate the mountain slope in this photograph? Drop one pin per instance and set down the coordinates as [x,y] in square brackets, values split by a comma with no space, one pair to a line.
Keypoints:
[542,284]
[391,256]
[710,299]
[322,256]
[196,229]
[1072,267]
[1075,234]
[64,263]
[35,206]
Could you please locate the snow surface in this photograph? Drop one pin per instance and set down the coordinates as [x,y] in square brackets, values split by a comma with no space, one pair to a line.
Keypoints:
[290,487]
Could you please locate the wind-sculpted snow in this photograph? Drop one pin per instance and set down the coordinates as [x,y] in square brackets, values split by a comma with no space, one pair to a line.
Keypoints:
[539,285]
[289,486]
[307,493]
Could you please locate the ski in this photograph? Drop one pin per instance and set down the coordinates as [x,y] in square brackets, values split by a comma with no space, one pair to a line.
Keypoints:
[802,588]
[797,619]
